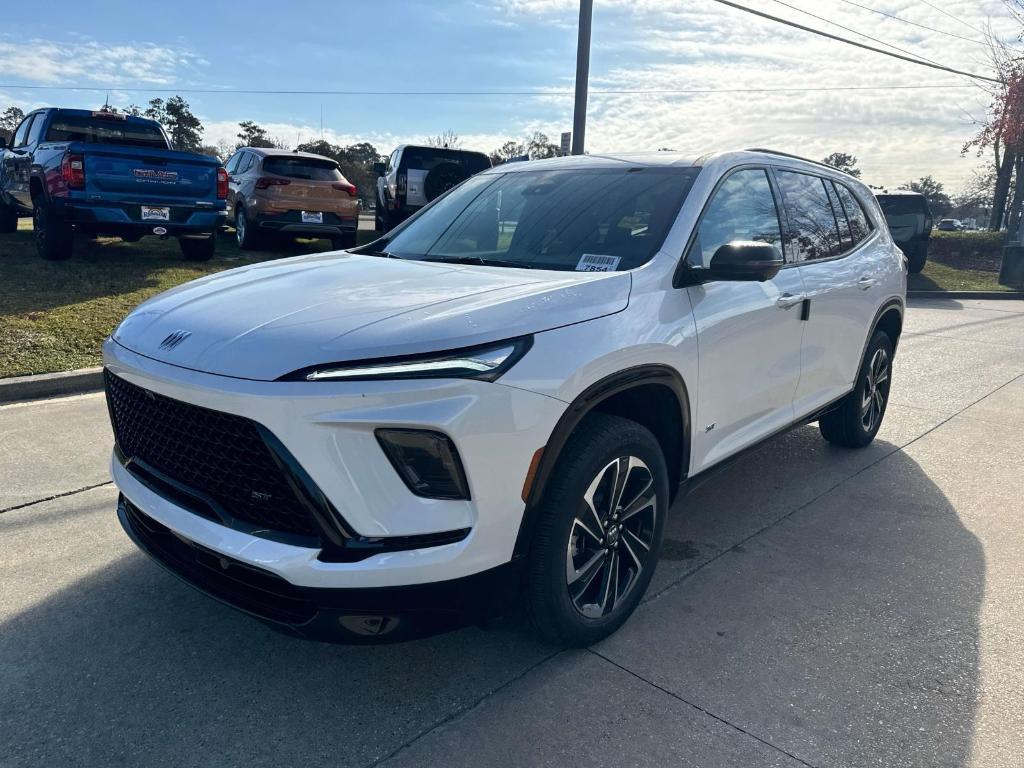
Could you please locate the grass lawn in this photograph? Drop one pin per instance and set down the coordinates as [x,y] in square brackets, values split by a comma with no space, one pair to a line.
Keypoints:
[941,277]
[55,315]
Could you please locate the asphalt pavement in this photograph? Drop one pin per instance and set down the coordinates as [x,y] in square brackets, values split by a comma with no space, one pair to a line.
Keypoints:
[814,606]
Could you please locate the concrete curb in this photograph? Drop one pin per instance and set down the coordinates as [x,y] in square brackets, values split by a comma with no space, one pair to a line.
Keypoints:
[965,294]
[50,385]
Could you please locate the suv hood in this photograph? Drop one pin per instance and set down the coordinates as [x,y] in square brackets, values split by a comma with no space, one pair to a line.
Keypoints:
[266,320]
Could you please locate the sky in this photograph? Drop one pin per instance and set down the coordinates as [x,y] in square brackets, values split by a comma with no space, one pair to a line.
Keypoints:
[718,54]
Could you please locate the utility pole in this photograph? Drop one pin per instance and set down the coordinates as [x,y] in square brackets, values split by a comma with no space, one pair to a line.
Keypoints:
[579,115]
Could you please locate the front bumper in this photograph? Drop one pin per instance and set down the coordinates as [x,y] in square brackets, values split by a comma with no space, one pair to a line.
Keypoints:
[328,427]
[388,614]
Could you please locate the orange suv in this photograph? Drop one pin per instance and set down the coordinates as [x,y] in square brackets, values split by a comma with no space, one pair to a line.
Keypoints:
[294,193]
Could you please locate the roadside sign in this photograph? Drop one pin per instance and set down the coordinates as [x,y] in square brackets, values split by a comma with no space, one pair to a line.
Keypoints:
[566,142]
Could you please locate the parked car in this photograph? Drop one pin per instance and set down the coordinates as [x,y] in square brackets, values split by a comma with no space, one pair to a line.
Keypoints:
[909,218]
[950,225]
[508,390]
[412,176]
[107,173]
[292,193]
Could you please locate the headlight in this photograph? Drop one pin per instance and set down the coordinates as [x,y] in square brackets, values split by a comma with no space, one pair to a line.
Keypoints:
[486,363]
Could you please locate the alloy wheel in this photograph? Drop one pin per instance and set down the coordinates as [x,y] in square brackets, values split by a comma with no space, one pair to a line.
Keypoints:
[875,390]
[240,226]
[611,536]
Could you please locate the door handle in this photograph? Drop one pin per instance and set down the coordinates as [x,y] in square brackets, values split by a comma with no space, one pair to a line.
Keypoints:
[865,282]
[788,300]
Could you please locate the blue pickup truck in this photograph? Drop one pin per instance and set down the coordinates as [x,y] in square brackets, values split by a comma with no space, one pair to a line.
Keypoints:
[111,174]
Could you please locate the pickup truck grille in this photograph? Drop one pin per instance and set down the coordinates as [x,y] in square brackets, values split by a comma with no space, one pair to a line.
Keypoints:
[216,455]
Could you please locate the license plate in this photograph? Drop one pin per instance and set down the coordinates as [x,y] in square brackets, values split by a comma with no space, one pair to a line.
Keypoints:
[312,217]
[152,213]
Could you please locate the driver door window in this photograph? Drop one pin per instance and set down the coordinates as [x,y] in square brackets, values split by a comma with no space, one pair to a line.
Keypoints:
[742,208]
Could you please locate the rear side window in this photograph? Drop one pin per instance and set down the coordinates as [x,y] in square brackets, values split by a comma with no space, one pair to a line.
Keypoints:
[36,129]
[860,224]
[302,168]
[845,235]
[105,130]
[742,208]
[812,223]
[232,164]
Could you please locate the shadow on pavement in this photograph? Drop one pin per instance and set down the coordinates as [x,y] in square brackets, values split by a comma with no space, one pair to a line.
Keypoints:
[845,635]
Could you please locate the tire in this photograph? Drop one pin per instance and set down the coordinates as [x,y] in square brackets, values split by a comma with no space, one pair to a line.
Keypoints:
[856,420]
[54,237]
[8,218]
[442,178]
[917,255]
[584,610]
[381,221]
[195,249]
[247,235]
[346,240]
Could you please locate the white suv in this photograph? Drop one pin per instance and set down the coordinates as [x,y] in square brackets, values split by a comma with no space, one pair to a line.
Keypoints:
[500,399]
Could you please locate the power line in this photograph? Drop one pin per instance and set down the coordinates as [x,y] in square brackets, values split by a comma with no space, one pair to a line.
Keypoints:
[854,31]
[865,46]
[602,92]
[915,24]
[954,18]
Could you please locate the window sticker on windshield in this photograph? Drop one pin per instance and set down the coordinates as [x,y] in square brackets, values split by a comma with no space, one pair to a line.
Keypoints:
[591,262]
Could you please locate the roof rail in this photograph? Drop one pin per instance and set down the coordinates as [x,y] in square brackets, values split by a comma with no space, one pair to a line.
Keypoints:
[789,154]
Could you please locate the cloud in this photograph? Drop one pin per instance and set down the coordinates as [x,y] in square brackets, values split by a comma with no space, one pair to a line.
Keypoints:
[86,61]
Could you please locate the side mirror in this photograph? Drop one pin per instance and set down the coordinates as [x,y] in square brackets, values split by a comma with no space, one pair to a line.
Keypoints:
[745,260]
[380,168]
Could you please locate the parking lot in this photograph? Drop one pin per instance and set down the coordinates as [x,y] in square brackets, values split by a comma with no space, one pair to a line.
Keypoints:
[813,606]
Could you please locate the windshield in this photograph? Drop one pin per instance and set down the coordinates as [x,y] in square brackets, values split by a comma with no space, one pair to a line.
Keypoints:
[585,220]
[302,168]
[105,130]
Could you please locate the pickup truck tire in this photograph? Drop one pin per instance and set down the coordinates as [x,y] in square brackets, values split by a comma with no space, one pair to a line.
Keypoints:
[247,234]
[54,236]
[198,249]
[917,255]
[855,421]
[347,240]
[8,218]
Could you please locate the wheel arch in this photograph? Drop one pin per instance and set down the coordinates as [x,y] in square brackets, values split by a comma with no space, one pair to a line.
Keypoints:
[889,318]
[36,188]
[654,396]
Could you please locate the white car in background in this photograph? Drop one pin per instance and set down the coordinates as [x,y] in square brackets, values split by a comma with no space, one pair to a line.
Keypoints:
[500,399]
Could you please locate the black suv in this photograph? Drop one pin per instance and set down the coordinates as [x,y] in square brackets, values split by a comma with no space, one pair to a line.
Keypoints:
[910,222]
[412,176]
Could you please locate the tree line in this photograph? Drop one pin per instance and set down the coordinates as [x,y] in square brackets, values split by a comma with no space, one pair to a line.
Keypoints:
[997,191]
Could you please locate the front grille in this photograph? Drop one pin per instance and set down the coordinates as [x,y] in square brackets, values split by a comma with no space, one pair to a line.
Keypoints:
[220,456]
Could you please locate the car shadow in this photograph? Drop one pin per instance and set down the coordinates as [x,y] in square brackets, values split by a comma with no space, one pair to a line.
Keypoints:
[829,603]
[844,632]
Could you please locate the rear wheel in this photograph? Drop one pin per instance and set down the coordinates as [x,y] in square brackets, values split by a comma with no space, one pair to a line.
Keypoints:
[855,422]
[8,218]
[54,237]
[601,520]
[917,255]
[343,241]
[198,249]
[245,231]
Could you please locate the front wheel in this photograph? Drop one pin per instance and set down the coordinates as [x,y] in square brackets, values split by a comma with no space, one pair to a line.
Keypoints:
[198,249]
[856,420]
[599,531]
[54,237]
